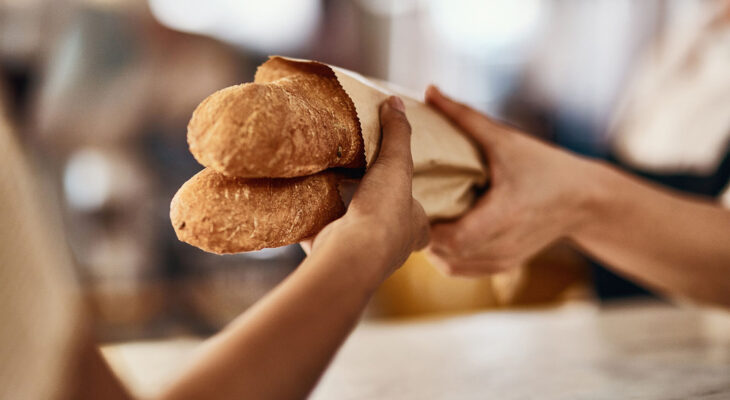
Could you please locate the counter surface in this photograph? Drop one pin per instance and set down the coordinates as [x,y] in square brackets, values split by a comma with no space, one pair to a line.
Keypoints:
[632,350]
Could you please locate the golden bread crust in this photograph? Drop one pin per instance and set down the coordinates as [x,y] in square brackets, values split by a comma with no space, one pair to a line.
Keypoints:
[221,214]
[296,125]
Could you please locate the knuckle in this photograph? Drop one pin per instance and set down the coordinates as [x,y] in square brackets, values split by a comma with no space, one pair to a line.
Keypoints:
[396,122]
[399,164]
[396,166]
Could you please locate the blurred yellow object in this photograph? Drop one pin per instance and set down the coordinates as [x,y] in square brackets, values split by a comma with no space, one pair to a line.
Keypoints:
[418,288]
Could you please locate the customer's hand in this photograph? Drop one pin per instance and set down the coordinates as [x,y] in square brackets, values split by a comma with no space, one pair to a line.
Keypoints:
[537,195]
[383,223]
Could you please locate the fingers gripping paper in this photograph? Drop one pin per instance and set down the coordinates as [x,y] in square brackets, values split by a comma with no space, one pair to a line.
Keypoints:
[447,166]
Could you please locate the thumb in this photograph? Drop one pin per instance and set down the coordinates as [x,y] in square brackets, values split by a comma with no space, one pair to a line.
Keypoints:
[395,146]
[392,171]
[394,165]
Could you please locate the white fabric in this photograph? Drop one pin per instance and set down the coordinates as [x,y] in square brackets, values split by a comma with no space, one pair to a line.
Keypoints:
[675,116]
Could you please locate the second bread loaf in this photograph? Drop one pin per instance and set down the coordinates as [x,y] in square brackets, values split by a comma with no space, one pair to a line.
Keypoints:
[221,214]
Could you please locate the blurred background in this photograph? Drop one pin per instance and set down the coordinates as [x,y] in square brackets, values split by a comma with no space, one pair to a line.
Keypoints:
[100,93]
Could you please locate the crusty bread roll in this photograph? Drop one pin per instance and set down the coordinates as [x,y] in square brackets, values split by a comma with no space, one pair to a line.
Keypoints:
[222,214]
[292,126]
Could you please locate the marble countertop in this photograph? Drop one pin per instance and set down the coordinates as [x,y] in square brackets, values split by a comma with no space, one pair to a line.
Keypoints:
[631,350]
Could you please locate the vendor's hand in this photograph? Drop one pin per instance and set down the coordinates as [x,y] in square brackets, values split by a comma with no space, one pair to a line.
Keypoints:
[383,223]
[537,195]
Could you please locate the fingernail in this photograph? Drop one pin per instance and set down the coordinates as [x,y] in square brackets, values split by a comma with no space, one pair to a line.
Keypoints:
[397,103]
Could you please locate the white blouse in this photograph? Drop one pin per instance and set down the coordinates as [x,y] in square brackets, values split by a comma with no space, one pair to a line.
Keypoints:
[675,115]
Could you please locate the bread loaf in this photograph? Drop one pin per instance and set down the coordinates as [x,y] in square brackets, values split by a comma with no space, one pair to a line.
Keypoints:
[222,214]
[292,126]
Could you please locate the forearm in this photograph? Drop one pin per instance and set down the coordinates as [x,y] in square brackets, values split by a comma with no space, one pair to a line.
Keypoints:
[672,242]
[280,347]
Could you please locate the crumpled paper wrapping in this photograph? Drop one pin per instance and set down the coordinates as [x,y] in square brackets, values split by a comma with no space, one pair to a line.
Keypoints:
[447,165]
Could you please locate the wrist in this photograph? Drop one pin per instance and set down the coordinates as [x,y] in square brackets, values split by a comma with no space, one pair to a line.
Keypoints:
[354,249]
[597,188]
